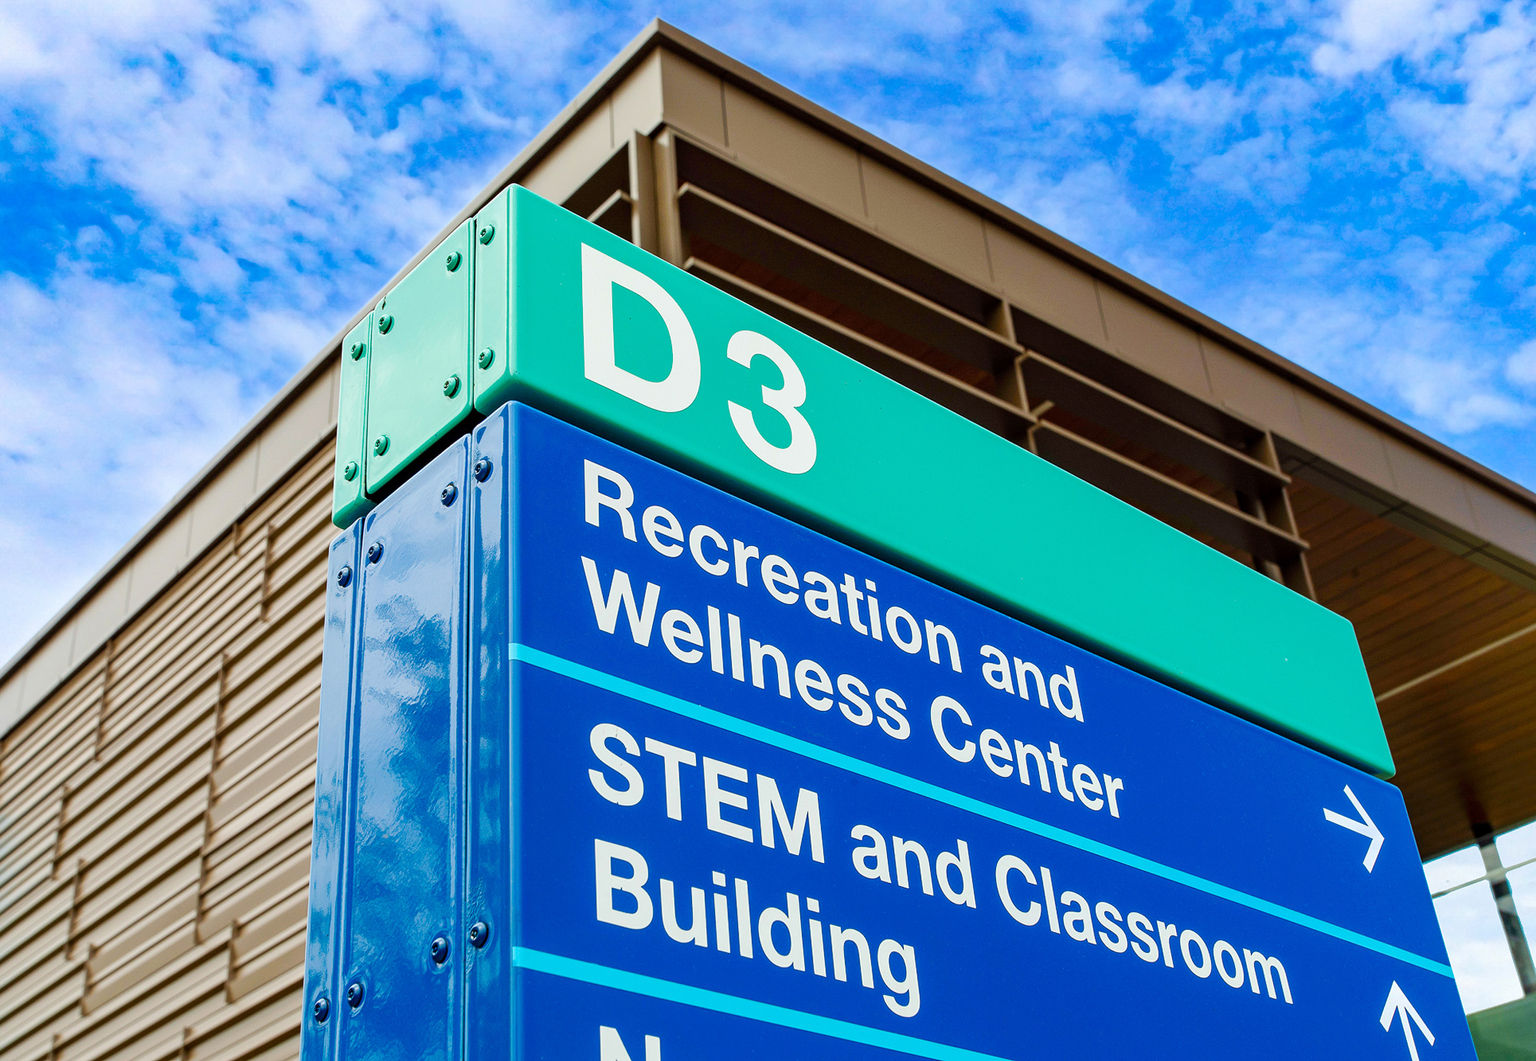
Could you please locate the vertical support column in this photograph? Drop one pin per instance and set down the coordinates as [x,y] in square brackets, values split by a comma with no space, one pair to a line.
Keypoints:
[671,244]
[1276,510]
[1509,917]
[1009,383]
[1034,412]
[642,193]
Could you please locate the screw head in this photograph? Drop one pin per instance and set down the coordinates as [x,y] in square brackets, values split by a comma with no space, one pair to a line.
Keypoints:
[450,386]
[482,469]
[453,260]
[358,350]
[486,357]
[349,471]
[449,493]
[479,933]
[487,233]
[355,994]
[375,551]
[386,322]
[440,950]
[380,445]
[344,577]
[322,1009]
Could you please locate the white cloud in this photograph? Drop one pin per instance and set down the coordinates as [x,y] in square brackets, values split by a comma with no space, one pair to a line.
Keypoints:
[262,167]
[897,38]
[1459,396]
[1489,133]
[1264,166]
[1422,365]
[1098,21]
[1365,34]
[277,336]
[1393,321]
[335,27]
[1458,77]
[22,55]
[1385,316]
[1447,271]
[1521,366]
[1089,204]
[111,402]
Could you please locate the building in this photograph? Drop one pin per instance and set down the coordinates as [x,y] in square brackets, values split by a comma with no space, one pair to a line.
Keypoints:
[156,774]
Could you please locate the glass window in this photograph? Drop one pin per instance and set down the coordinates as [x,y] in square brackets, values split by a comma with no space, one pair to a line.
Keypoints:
[1469,919]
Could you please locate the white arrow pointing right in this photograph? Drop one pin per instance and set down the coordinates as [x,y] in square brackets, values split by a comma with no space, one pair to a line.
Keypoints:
[1399,1006]
[1365,827]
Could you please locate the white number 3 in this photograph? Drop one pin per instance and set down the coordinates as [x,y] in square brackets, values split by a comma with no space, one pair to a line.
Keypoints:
[798,456]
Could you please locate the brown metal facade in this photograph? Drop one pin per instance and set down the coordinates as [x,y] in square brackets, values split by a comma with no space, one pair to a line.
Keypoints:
[156,772]
[157,807]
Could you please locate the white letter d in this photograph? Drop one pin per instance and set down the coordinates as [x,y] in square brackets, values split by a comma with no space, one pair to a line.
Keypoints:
[600,274]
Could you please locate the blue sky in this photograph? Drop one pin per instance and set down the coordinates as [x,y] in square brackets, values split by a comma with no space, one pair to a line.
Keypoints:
[196,195]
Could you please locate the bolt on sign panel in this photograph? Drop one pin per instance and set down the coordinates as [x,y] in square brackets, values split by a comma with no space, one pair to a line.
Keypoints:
[348,501]
[405,376]
[700,775]
[574,319]
[389,780]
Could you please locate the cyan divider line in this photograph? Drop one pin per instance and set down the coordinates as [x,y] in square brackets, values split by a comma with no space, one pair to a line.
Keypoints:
[699,713]
[733,1005]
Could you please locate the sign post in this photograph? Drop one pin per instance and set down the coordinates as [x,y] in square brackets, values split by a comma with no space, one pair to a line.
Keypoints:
[614,763]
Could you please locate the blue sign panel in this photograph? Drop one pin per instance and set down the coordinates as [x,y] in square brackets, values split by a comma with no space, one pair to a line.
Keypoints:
[385,877]
[725,787]
[671,856]
[1038,830]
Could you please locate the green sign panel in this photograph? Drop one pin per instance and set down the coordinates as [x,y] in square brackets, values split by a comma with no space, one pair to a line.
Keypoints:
[567,316]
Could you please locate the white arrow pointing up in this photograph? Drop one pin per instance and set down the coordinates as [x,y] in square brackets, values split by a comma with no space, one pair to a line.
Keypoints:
[1398,1006]
[1365,827]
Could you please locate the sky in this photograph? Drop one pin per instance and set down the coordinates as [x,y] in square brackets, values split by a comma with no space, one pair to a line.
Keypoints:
[196,195]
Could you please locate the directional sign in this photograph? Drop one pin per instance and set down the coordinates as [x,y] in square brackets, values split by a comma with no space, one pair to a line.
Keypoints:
[684,858]
[530,302]
[722,779]
[635,575]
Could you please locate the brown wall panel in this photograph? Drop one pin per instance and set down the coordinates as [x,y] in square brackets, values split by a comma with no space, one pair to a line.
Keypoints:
[155,812]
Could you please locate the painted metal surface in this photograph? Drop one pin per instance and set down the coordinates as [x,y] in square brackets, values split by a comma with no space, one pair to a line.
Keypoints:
[387,877]
[984,707]
[985,940]
[325,943]
[573,319]
[419,367]
[602,729]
